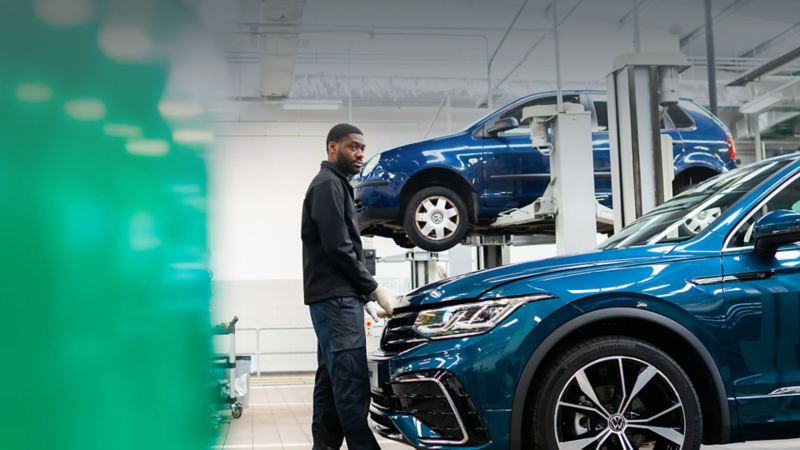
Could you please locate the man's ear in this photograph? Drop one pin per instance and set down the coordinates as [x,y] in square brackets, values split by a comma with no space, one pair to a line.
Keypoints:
[331,148]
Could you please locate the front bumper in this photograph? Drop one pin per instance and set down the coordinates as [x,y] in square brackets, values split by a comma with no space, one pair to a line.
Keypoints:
[427,409]
[377,202]
[427,393]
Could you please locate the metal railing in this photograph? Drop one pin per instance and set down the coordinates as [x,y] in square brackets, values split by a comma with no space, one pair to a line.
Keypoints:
[258,354]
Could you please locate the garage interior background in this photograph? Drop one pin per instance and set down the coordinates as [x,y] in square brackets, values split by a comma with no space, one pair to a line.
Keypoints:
[286,70]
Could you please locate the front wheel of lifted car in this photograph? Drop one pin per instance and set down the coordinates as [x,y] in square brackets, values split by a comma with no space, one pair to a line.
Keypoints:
[615,393]
[435,219]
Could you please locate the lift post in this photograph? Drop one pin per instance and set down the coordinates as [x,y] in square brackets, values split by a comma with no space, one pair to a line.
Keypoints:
[423,267]
[572,176]
[494,250]
[642,167]
[569,198]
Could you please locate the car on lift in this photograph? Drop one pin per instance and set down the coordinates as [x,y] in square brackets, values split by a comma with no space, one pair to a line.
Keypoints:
[432,193]
[681,329]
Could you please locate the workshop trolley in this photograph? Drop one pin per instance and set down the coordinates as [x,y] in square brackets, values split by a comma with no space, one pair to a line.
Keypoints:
[225,364]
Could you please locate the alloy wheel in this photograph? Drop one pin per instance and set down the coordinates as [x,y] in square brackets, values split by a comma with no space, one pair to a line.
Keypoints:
[619,403]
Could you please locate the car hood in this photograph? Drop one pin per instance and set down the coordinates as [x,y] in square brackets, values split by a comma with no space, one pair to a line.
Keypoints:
[472,286]
[434,142]
[427,151]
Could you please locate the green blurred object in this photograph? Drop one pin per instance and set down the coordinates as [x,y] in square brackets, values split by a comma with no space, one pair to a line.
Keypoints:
[104,285]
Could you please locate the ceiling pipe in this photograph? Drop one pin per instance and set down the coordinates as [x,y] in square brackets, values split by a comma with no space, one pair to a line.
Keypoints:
[489,93]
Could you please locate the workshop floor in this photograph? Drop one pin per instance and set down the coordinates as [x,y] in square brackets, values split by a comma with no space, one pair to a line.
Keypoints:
[279,417]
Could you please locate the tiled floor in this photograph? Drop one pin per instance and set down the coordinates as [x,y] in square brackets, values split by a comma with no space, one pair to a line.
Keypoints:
[279,418]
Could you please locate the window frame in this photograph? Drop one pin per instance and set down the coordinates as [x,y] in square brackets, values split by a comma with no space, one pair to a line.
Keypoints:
[688,114]
[726,247]
[522,104]
[591,98]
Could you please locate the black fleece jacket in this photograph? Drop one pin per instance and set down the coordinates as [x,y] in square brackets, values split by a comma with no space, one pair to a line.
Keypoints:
[333,259]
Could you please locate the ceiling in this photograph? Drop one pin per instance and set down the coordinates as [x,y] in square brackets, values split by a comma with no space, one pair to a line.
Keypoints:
[416,52]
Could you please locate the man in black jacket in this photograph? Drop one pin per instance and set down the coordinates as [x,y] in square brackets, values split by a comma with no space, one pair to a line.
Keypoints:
[336,286]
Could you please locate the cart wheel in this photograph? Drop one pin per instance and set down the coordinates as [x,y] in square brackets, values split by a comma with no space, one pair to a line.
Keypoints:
[236,410]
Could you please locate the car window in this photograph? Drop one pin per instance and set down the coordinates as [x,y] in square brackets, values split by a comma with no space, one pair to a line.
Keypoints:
[523,128]
[680,117]
[787,198]
[691,212]
[601,113]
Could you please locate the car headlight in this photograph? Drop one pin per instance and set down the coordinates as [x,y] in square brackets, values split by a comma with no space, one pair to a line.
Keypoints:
[371,164]
[469,319]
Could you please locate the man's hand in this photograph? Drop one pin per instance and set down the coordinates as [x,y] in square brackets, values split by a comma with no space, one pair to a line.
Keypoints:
[375,311]
[387,299]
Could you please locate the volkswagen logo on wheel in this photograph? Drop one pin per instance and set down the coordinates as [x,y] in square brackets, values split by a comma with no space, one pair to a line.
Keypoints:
[617,423]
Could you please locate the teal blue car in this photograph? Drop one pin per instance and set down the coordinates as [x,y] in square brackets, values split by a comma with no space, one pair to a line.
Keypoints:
[681,329]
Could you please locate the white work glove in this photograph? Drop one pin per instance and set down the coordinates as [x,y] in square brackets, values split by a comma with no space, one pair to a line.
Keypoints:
[375,311]
[385,298]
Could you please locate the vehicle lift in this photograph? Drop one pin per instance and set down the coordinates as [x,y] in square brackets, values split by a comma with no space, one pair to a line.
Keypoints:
[642,169]
[642,166]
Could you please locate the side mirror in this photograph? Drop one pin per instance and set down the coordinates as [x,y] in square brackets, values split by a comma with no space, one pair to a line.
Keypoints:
[777,228]
[498,126]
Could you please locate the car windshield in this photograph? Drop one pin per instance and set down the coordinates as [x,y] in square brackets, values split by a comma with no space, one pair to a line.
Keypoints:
[691,212]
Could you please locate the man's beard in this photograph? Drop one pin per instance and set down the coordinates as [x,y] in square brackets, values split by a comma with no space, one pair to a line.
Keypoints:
[345,166]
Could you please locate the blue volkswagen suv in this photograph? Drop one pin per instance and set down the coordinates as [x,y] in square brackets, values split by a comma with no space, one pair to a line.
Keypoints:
[681,329]
[432,193]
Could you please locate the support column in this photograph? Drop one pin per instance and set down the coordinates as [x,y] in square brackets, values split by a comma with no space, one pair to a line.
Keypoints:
[641,160]
[491,256]
[572,172]
[423,268]
[711,60]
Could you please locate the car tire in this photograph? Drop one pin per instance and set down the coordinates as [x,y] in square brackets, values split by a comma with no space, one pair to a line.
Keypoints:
[663,412]
[435,219]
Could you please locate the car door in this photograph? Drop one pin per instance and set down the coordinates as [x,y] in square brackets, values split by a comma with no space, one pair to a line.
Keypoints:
[601,146]
[515,174]
[762,300]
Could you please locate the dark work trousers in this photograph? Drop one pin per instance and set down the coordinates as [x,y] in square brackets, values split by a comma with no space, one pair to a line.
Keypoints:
[341,388]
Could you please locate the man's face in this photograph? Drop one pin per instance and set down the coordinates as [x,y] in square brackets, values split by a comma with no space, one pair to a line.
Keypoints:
[348,153]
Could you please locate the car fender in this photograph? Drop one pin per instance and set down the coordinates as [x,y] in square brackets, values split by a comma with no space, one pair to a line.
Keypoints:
[699,159]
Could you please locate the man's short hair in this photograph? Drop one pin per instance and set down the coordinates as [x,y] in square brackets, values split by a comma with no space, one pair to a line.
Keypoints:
[340,131]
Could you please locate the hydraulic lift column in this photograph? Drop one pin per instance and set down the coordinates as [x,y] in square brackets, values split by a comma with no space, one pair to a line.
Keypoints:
[569,199]
[642,166]
[572,175]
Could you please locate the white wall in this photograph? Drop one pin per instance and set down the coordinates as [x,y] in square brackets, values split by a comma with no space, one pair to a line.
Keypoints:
[259,172]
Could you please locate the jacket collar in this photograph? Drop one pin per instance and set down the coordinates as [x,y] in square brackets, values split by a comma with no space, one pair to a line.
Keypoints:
[336,170]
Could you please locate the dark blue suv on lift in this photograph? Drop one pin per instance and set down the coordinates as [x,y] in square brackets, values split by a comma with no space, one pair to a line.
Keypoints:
[681,329]
[432,193]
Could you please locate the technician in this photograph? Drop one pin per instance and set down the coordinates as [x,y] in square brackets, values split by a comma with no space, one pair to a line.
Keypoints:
[336,286]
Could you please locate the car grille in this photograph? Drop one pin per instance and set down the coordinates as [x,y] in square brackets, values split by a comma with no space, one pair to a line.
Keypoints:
[399,334]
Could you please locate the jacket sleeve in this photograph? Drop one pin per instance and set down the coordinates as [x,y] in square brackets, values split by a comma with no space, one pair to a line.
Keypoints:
[327,211]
